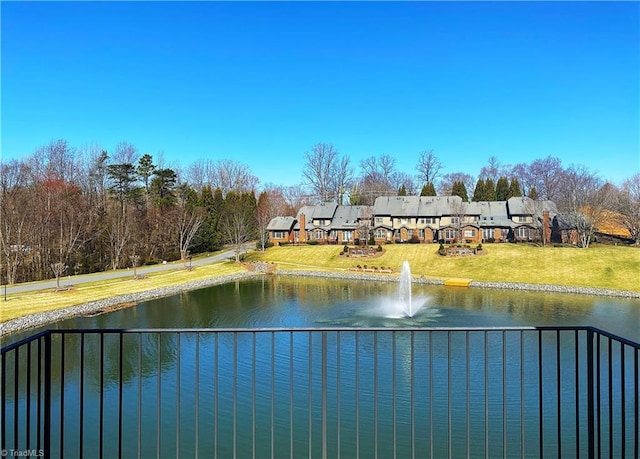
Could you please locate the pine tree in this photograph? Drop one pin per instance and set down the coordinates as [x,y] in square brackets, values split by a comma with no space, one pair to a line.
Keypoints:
[489,190]
[533,193]
[458,189]
[502,189]
[514,188]
[402,191]
[479,191]
[428,190]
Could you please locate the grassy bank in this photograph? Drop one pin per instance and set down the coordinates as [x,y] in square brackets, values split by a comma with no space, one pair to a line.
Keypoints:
[23,304]
[607,267]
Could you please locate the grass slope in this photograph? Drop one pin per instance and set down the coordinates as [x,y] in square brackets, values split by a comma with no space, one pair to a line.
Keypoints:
[23,304]
[599,266]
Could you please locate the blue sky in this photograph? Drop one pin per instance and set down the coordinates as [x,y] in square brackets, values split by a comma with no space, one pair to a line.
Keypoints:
[261,83]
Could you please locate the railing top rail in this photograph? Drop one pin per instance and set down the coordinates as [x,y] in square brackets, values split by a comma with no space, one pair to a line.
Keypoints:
[317,330]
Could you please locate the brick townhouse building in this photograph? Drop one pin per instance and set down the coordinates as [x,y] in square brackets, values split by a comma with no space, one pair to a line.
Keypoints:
[424,219]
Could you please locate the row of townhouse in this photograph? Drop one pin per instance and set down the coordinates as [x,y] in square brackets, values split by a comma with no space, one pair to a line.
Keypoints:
[419,219]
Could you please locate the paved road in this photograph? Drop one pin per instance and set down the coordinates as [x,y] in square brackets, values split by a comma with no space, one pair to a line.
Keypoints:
[108,275]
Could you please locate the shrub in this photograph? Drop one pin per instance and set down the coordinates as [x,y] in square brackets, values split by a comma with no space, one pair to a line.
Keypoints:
[312,242]
[491,240]
[479,247]
[414,239]
[345,249]
[379,248]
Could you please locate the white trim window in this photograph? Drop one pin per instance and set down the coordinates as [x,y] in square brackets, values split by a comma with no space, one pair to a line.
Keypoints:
[347,236]
[449,233]
[278,235]
[469,233]
[381,233]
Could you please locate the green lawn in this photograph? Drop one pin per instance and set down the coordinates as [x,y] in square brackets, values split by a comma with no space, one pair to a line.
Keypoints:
[23,304]
[598,266]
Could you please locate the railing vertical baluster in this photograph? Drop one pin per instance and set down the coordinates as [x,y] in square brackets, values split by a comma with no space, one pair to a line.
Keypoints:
[375,395]
[63,338]
[467,384]
[235,395]
[273,393]
[140,375]
[253,395]
[413,396]
[338,384]
[576,346]
[636,396]
[38,398]
[101,403]
[324,394]
[559,391]
[47,394]
[486,394]
[215,394]
[522,427]
[599,394]
[430,393]
[291,394]
[16,398]
[28,399]
[590,395]
[540,396]
[196,432]
[357,390]
[3,400]
[393,391]
[449,443]
[610,394]
[504,395]
[623,422]
[178,358]
[120,393]
[159,398]
[310,395]
[81,445]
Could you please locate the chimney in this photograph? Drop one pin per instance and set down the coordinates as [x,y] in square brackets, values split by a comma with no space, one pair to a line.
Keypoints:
[546,227]
[303,231]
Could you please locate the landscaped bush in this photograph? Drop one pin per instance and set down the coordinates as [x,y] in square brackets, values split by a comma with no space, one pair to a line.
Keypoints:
[379,248]
[442,250]
[414,239]
[312,242]
[491,240]
[479,247]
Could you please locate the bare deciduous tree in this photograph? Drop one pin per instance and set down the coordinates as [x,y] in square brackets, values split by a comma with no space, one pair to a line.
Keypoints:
[429,167]
[584,202]
[627,206]
[328,174]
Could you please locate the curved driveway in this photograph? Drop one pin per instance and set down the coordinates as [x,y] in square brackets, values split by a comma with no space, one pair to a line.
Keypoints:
[108,275]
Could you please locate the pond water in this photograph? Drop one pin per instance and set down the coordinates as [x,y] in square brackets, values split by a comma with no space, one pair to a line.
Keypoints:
[168,368]
[315,302]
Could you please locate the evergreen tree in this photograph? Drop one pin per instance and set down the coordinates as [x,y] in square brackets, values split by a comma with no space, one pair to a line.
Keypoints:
[145,171]
[162,187]
[402,191]
[533,193]
[502,189]
[428,190]
[459,189]
[479,191]
[489,190]
[514,188]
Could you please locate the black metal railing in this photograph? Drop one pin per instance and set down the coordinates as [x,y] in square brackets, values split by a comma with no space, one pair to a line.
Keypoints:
[503,392]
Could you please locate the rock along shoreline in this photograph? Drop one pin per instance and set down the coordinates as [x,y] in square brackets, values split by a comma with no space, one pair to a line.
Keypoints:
[107,304]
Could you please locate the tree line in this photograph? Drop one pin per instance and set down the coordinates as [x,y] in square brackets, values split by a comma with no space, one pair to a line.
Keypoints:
[67,210]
